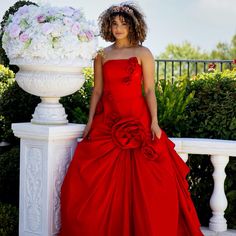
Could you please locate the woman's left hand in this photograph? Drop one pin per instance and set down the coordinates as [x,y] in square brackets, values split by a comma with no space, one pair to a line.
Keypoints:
[156,130]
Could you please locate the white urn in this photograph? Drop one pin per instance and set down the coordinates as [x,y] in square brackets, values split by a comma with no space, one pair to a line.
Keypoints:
[50,83]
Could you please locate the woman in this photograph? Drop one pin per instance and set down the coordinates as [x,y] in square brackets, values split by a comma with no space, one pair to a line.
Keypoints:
[125,178]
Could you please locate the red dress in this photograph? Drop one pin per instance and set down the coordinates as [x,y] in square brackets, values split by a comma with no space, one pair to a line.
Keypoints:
[120,181]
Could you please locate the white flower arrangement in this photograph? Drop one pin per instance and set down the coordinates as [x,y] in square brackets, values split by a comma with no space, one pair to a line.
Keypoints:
[49,34]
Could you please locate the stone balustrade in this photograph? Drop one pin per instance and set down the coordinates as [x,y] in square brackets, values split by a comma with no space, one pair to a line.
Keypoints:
[219,151]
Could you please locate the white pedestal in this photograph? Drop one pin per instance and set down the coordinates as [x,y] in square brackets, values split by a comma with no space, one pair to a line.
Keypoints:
[45,154]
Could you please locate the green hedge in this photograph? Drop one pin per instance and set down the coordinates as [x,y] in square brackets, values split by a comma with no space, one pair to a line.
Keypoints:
[9,176]
[8,220]
[212,112]
[9,189]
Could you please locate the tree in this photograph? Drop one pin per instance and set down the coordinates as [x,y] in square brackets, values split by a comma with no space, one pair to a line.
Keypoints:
[225,51]
[183,51]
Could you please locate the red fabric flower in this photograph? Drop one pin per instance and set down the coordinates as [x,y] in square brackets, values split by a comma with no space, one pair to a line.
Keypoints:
[128,133]
[132,63]
[149,152]
[126,80]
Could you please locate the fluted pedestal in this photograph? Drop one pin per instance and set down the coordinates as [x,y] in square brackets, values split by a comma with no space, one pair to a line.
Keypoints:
[45,154]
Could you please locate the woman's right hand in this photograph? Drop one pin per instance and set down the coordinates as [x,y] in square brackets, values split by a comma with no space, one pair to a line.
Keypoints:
[87,129]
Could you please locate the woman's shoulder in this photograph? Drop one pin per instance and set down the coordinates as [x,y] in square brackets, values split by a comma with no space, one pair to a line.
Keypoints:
[144,53]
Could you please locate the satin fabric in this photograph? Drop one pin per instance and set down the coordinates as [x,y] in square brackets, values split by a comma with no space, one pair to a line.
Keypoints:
[121,182]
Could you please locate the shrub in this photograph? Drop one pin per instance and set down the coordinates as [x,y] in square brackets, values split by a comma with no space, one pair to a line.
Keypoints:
[9,176]
[15,106]
[212,111]
[172,100]
[6,80]
[8,220]
[77,104]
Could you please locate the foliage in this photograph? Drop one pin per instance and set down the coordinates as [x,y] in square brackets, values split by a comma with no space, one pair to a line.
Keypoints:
[6,80]
[3,57]
[172,100]
[225,51]
[201,185]
[77,104]
[15,106]
[9,176]
[212,112]
[230,189]
[183,51]
[8,220]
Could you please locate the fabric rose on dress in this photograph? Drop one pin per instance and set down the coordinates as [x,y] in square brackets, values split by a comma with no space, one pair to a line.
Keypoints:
[128,133]
[149,152]
[126,80]
[132,63]
[155,149]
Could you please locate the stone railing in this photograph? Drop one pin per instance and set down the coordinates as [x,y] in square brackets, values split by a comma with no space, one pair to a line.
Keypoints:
[219,151]
[46,152]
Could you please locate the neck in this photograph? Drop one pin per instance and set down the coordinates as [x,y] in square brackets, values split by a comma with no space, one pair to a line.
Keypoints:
[122,44]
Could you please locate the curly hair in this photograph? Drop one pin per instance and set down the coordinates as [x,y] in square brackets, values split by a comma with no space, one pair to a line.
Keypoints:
[131,15]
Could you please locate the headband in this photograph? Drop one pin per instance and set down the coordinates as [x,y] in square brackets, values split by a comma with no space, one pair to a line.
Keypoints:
[125,9]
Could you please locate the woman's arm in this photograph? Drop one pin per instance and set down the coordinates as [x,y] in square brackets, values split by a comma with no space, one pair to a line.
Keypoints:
[148,66]
[97,91]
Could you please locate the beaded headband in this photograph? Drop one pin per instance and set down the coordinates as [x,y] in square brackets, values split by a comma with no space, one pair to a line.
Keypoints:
[122,9]
[125,9]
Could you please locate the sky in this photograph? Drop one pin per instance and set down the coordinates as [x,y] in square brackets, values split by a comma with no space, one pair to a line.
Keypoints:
[203,23]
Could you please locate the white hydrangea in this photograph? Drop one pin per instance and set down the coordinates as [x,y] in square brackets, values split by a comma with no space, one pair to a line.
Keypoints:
[46,33]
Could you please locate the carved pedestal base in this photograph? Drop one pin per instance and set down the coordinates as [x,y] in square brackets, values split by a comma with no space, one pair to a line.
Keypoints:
[46,152]
[49,112]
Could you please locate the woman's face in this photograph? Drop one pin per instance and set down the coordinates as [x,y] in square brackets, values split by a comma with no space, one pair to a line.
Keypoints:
[119,28]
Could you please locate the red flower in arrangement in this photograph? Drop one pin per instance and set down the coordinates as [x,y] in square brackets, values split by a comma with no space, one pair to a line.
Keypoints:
[128,133]
[211,66]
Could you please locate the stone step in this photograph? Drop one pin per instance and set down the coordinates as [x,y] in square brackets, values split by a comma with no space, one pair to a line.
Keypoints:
[208,232]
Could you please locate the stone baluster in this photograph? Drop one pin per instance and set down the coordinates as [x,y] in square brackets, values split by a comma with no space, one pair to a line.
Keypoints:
[218,201]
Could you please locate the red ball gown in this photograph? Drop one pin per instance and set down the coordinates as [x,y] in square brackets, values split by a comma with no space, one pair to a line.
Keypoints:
[121,182]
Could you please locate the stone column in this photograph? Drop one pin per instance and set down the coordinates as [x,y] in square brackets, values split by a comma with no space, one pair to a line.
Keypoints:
[218,201]
[45,154]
